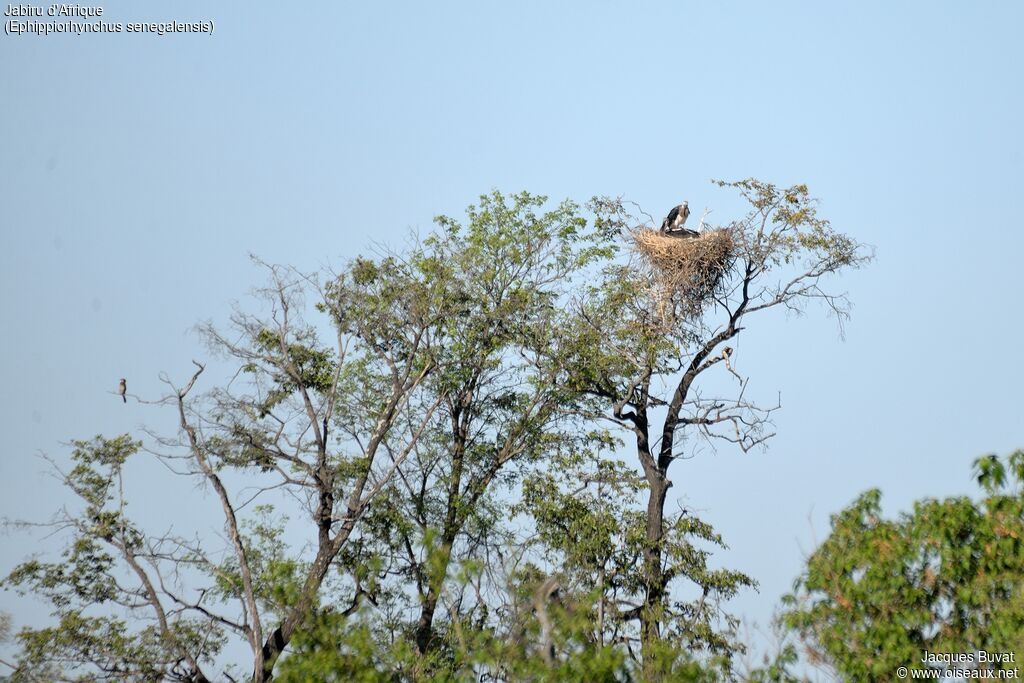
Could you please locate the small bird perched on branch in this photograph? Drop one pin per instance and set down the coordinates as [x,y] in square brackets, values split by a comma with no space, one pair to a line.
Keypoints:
[726,355]
[122,389]
[674,221]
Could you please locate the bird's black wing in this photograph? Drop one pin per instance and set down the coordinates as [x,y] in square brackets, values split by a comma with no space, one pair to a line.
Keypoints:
[670,218]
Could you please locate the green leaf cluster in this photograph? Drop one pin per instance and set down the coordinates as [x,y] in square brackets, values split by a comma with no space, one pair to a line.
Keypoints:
[947,577]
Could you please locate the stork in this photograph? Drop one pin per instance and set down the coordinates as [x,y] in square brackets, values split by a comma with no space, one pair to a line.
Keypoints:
[674,221]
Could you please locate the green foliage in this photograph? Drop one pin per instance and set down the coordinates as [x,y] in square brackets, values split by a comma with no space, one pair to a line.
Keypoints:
[778,669]
[332,648]
[85,585]
[507,271]
[83,576]
[297,365]
[277,573]
[947,577]
[591,527]
[338,648]
[784,228]
[94,648]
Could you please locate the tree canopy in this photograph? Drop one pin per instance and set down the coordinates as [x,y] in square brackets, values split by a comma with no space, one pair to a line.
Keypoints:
[946,577]
[449,462]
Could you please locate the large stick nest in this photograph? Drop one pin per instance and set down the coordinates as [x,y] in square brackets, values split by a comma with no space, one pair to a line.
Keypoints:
[686,270]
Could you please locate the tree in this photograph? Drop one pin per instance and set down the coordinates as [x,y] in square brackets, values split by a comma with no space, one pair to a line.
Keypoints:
[947,577]
[412,474]
[303,422]
[638,333]
[591,528]
[432,385]
[306,422]
[499,403]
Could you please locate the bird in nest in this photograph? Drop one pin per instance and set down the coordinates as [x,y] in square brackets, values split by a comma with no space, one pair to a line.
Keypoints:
[675,220]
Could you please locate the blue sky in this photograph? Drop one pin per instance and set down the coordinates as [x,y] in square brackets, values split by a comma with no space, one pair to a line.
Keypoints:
[138,173]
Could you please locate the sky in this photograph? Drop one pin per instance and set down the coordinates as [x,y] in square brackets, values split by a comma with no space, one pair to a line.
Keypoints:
[139,172]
